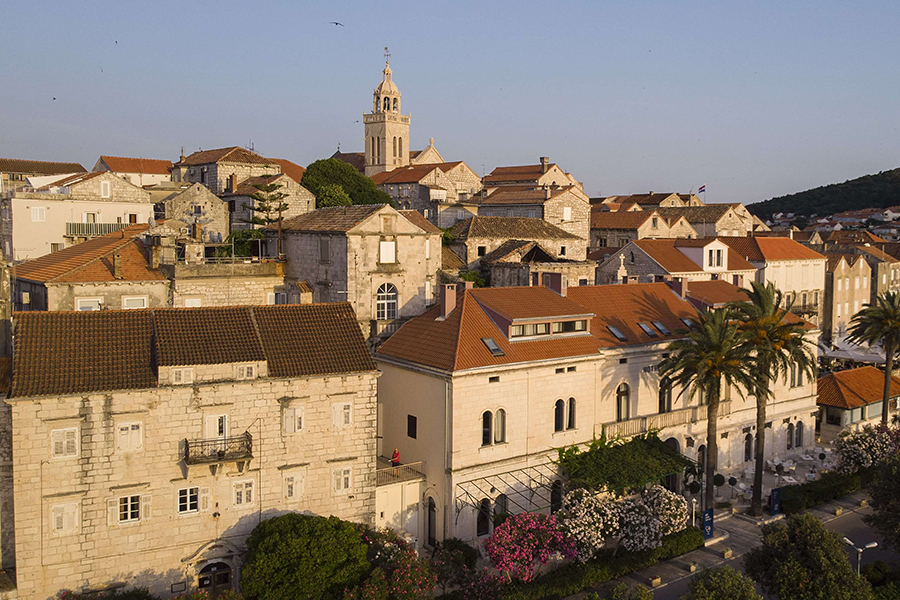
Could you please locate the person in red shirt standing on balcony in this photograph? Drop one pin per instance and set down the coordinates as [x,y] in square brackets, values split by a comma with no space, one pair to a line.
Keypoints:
[395,458]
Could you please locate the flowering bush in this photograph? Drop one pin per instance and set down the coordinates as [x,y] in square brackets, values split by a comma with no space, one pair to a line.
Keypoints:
[669,508]
[453,563]
[639,527]
[589,521]
[397,572]
[866,447]
[524,539]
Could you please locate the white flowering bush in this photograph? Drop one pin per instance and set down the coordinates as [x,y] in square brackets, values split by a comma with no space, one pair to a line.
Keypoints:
[589,520]
[669,508]
[639,527]
[866,447]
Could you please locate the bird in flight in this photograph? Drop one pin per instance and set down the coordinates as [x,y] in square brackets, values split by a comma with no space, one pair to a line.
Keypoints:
[54,97]
[335,23]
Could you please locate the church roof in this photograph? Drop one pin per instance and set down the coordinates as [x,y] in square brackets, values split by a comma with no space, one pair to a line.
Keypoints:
[387,85]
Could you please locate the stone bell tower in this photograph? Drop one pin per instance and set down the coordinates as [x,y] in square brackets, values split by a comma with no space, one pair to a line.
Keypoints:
[387,131]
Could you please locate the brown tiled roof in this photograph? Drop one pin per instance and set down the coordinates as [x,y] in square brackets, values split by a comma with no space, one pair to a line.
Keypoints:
[506,249]
[879,252]
[355,159]
[233,154]
[854,235]
[411,173]
[72,352]
[312,339]
[16,165]
[667,256]
[770,248]
[73,179]
[122,164]
[715,292]
[92,260]
[601,254]
[528,302]
[206,336]
[506,195]
[710,213]
[291,169]
[620,219]
[518,173]
[520,228]
[833,259]
[854,387]
[416,218]
[335,219]
[247,187]
[652,198]
[450,260]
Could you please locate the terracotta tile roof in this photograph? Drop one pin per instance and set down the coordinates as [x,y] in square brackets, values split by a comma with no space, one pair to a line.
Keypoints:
[667,256]
[854,235]
[450,260]
[411,173]
[206,336]
[41,167]
[291,169]
[619,220]
[92,260]
[312,339]
[770,248]
[508,227]
[355,159]
[527,302]
[147,166]
[232,154]
[518,173]
[652,198]
[715,292]
[878,252]
[72,352]
[73,179]
[416,218]
[505,195]
[335,219]
[247,187]
[854,387]
[710,213]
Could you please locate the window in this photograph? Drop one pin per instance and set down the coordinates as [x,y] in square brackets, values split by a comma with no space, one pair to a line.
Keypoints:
[193,302]
[64,519]
[482,250]
[662,328]
[648,330]
[570,423]
[386,302]
[790,436]
[562,250]
[615,331]
[500,426]
[665,395]
[856,282]
[530,329]
[387,251]
[128,509]
[56,247]
[483,521]
[412,425]
[571,369]
[271,299]
[104,189]
[654,222]
[324,250]
[623,397]
[134,302]
[494,379]
[487,428]
[567,213]
[182,376]
[840,284]
[342,479]
[188,500]
[342,414]
[569,326]
[245,372]
[427,248]
[38,214]
[559,411]
[64,443]
[492,346]
[88,303]
[460,215]
[293,486]
[197,210]
[129,437]
[798,435]
[293,419]
[748,448]
[242,492]
[631,257]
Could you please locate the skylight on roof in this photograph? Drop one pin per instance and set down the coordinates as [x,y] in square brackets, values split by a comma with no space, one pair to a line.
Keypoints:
[648,330]
[662,328]
[615,331]
[689,322]
[492,346]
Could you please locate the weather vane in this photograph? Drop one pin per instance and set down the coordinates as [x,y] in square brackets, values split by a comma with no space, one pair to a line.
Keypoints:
[387,54]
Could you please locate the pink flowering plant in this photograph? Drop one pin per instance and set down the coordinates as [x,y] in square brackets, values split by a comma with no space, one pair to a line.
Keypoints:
[397,572]
[526,539]
[866,447]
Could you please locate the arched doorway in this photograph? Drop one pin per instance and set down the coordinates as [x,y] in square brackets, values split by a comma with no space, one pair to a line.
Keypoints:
[748,448]
[671,480]
[432,523]
[215,578]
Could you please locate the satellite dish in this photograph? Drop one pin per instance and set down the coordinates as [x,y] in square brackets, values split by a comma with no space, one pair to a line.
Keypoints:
[151,221]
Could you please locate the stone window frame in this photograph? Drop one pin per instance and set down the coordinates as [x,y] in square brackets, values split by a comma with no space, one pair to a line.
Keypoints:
[59,513]
[293,484]
[342,480]
[245,371]
[342,414]
[125,300]
[129,446]
[182,376]
[62,434]
[294,420]
[239,494]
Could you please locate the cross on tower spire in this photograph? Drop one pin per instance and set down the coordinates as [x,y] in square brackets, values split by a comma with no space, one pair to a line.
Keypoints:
[387,55]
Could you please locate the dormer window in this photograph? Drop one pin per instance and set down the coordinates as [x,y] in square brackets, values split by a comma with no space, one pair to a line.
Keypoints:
[648,330]
[716,257]
[182,376]
[530,329]
[615,331]
[569,326]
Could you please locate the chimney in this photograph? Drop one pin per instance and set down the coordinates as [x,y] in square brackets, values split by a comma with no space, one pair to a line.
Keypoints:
[448,299]
[117,265]
[156,252]
[547,192]
[196,231]
[545,164]
[555,282]
[680,286]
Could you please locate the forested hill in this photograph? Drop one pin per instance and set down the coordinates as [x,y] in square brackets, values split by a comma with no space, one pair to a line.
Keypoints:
[875,191]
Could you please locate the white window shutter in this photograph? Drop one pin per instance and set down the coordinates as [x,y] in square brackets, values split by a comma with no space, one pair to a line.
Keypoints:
[270,298]
[427,248]
[70,517]
[58,441]
[188,375]
[387,252]
[336,414]
[289,420]
[204,498]
[289,489]
[336,475]
[112,511]
[146,507]
[71,442]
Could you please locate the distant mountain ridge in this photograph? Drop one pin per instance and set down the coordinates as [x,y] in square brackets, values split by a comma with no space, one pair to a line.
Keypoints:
[876,191]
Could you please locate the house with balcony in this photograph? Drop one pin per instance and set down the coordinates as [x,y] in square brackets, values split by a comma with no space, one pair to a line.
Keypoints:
[850,399]
[486,386]
[147,445]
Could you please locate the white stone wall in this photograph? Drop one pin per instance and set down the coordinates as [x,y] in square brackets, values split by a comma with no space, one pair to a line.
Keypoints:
[64,296]
[213,214]
[846,291]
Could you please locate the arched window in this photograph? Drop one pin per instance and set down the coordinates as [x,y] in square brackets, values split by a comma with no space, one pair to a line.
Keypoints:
[400,147]
[501,505]
[558,416]
[748,448]
[387,104]
[386,302]
[631,257]
[395,105]
[556,496]
[395,146]
[798,442]
[487,428]
[623,401]
[432,523]
[571,421]
[484,517]
[500,427]
[665,395]
[790,435]
[701,458]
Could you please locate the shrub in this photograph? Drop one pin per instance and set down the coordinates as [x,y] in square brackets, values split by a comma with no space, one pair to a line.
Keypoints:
[640,529]
[885,490]
[397,572]
[866,447]
[453,563]
[118,594]
[830,486]
[620,591]
[589,521]
[890,591]
[524,539]
[669,508]
[723,583]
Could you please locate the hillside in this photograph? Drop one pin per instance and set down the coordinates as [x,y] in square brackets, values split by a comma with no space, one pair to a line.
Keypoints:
[876,191]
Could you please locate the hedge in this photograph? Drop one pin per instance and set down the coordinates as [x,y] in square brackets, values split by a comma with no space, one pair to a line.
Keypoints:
[830,486]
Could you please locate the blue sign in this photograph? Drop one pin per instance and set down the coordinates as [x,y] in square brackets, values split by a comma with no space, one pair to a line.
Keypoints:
[775,502]
[707,524]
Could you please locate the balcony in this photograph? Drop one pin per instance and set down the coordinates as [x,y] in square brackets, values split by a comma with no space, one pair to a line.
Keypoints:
[400,474]
[218,450]
[639,425]
[806,309]
[626,428]
[676,417]
[93,229]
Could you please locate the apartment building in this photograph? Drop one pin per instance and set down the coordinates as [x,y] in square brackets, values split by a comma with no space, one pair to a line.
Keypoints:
[847,290]
[615,229]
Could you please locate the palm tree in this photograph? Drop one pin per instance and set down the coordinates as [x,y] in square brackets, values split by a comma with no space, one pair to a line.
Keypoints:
[778,347]
[710,354]
[880,322]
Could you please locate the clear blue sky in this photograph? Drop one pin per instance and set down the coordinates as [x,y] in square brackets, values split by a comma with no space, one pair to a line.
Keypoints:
[752,99]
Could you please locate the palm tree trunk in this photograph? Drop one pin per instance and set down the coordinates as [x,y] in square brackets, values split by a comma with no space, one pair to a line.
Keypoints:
[888,368]
[712,448]
[759,455]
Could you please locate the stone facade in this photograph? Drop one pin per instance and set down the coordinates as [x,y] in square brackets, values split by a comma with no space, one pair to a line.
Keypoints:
[472,248]
[846,291]
[438,194]
[577,273]
[216,175]
[235,284]
[198,205]
[569,209]
[299,200]
[654,227]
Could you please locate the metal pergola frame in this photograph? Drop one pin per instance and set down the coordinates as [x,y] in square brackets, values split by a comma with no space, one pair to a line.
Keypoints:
[527,489]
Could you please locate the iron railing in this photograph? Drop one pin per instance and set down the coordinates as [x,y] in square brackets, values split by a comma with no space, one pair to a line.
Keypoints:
[408,472]
[213,450]
[640,425]
[93,229]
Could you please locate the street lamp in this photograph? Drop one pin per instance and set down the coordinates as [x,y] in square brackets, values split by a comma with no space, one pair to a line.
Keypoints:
[859,552]
[693,512]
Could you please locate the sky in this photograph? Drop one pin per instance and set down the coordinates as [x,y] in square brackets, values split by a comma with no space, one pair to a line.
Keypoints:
[751,99]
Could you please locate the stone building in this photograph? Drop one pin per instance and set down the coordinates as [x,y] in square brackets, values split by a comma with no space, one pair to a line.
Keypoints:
[884,266]
[139,171]
[500,378]
[215,168]
[476,237]
[524,263]
[543,174]
[153,470]
[615,229]
[239,197]
[850,399]
[69,211]
[16,173]
[383,261]
[653,200]
[197,205]
[847,279]
[565,207]
[711,220]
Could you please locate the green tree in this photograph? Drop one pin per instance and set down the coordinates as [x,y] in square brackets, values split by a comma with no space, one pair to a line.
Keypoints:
[801,560]
[710,354]
[296,556]
[723,583]
[779,348]
[269,205]
[360,188]
[620,591]
[880,322]
[885,492]
[244,241]
[332,194]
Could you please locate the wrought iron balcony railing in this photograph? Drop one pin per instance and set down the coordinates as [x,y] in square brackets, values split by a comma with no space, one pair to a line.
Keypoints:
[216,450]
[93,229]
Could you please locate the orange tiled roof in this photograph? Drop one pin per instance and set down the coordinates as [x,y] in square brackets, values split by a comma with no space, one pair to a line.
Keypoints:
[854,387]
[770,248]
[517,173]
[668,257]
[147,166]
[715,292]
[42,167]
[247,187]
[291,169]
[416,218]
[411,173]
[878,252]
